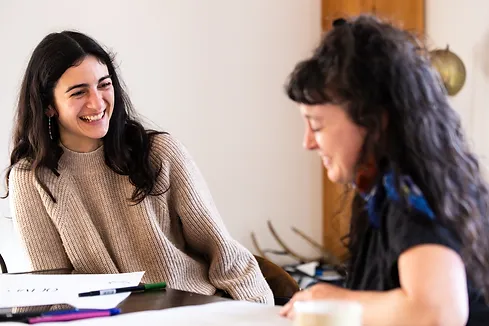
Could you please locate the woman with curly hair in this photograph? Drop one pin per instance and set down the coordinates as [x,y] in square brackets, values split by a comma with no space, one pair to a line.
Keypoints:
[378,116]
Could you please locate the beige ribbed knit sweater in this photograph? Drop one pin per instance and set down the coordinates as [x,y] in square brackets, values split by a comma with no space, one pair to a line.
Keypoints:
[177,237]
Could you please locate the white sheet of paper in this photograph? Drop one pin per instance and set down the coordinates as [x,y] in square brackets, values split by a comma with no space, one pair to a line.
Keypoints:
[37,290]
[224,313]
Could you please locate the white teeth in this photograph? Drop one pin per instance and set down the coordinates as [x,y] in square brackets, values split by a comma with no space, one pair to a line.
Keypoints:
[93,117]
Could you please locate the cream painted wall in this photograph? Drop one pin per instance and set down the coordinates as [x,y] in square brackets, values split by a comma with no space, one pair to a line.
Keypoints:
[210,72]
[464,25]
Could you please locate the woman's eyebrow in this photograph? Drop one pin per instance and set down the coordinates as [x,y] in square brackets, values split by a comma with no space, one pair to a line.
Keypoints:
[85,85]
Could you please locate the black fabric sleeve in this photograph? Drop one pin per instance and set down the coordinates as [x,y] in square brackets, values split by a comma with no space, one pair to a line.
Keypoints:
[407,228]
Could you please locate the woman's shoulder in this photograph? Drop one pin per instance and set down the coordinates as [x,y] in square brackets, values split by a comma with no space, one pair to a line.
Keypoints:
[23,173]
[162,139]
[21,176]
[401,214]
[167,147]
[21,169]
[406,226]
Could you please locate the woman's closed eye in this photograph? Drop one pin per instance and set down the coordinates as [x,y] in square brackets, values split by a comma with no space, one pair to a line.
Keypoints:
[106,84]
[315,126]
[76,94]
[81,92]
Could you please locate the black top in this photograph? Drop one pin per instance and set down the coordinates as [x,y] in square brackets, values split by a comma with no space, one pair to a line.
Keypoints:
[385,237]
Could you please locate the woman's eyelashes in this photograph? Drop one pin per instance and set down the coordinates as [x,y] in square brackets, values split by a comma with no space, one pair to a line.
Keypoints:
[105,84]
[78,93]
[102,86]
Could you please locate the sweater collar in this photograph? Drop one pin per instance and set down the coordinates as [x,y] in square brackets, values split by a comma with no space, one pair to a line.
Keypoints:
[91,162]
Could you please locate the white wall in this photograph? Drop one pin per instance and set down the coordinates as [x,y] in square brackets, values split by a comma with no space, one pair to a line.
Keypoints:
[210,72]
[464,25]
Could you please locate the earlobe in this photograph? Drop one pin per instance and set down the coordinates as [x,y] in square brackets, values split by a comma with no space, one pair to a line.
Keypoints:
[50,112]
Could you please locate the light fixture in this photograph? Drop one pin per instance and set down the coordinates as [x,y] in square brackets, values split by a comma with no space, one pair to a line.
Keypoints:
[451,69]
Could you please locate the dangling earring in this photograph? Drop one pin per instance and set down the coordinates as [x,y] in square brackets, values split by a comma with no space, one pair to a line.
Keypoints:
[49,127]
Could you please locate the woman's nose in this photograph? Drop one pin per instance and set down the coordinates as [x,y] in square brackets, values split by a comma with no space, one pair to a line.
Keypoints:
[96,101]
[309,141]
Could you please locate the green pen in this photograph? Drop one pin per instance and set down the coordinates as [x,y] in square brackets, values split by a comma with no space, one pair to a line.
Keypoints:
[139,288]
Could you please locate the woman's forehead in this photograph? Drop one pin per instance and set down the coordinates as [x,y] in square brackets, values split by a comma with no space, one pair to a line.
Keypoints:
[321,110]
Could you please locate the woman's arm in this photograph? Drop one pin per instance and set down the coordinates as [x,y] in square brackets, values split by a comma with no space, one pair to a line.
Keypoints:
[39,236]
[433,291]
[232,267]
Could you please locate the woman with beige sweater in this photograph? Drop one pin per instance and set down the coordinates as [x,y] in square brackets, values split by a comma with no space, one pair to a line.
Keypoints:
[93,191]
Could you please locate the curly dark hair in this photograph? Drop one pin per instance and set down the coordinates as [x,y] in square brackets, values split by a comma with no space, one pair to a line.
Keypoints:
[127,144]
[374,69]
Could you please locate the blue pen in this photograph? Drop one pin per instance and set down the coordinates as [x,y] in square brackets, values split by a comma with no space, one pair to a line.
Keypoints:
[22,317]
[73,316]
[65,312]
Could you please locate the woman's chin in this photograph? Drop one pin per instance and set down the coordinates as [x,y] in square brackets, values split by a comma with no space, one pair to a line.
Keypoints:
[332,175]
[97,134]
[336,177]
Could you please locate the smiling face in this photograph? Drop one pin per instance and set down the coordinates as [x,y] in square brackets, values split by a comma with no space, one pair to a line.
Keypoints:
[83,105]
[337,140]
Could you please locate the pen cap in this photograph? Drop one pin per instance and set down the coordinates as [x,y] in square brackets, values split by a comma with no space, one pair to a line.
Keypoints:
[114,311]
[155,286]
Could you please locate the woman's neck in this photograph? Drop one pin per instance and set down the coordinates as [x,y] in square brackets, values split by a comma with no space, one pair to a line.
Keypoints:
[366,177]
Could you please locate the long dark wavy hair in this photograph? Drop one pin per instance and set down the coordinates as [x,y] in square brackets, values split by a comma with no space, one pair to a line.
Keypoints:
[127,144]
[373,69]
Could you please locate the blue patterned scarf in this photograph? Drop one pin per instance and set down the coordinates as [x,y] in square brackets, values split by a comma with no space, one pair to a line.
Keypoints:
[386,188]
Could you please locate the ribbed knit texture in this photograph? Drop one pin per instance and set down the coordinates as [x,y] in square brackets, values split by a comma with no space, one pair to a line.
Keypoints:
[177,237]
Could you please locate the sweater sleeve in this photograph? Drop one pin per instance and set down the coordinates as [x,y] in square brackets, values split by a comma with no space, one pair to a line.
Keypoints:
[38,234]
[232,267]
